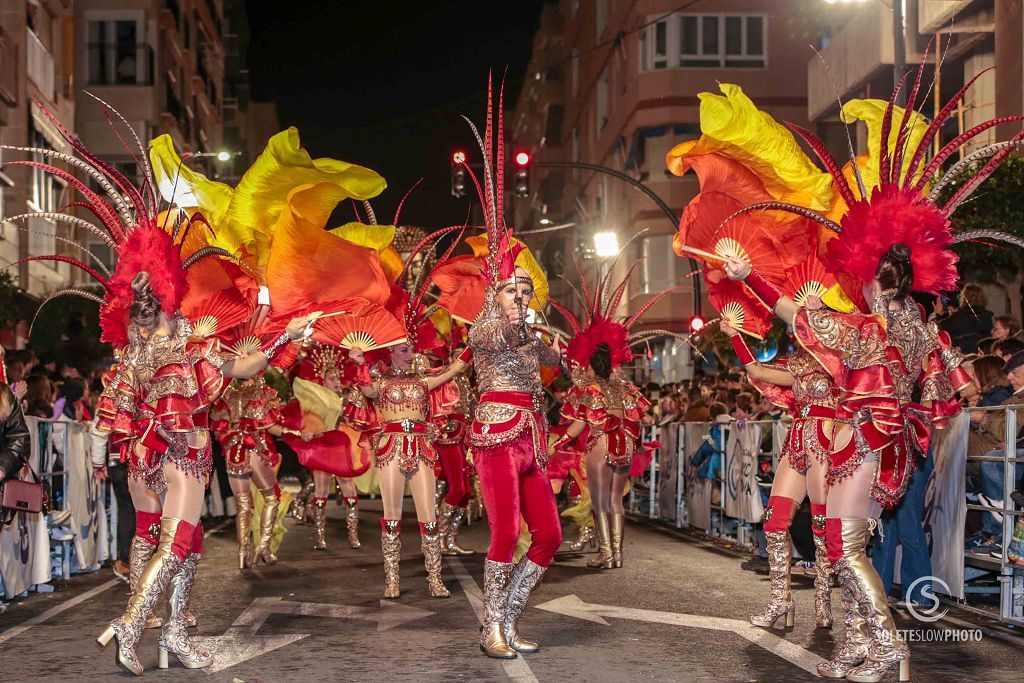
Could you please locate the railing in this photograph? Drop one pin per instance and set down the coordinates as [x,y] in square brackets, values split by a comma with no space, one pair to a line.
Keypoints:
[670,492]
[39,64]
[1010,575]
[112,64]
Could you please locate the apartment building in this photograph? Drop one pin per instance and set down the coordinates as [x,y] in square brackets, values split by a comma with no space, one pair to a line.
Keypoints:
[161,63]
[36,65]
[971,36]
[615,83]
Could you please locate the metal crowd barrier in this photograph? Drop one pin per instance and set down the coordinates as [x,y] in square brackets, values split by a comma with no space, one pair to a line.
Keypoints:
[979,567]
[667,491]
[664,493]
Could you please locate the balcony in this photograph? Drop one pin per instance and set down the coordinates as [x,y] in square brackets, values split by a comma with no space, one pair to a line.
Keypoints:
[112,64]
[8,73]
[854,56]
[39,64]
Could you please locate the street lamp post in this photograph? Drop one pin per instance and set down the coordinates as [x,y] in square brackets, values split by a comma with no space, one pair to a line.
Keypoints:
[651,194]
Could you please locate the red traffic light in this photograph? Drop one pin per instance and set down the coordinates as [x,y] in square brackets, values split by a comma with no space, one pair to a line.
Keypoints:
[522,158]
[696,324]
[458,157]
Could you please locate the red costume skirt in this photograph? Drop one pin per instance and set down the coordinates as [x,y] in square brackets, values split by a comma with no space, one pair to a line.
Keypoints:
[895,455]
[148,454]
[409,442]
[810,434]
[241,447]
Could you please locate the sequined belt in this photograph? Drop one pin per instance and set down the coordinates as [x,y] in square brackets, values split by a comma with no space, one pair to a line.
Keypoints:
[517,399]
[405,426]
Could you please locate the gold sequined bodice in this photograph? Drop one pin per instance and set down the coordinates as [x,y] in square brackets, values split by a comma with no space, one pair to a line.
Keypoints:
[501,362]
[811,382]
[403,393]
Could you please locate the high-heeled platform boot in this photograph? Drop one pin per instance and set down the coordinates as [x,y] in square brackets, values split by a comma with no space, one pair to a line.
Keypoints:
[781,602]
[243,528]
[268,518]
[174,638]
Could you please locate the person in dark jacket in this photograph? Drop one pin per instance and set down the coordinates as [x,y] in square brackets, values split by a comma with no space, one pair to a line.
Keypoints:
[971,321]
[13,435]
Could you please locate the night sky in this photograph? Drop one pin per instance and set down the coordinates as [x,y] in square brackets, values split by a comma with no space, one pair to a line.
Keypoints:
[383,84]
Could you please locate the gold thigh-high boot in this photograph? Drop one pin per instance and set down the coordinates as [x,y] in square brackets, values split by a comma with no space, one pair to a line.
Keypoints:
[268,518]
[781,602]
[138,557]
[319,510]
[174,637]
[243,528]
[887,650]
[431,546]
[586,537]
[497,576]
[297,511]
[525,577]
[618,522]
[822,584]
[352,521]
[856,640]
[604,542]
[126,630]
[391,548]
[452,517]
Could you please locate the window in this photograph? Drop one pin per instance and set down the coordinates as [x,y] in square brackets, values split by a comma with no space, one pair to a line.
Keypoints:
[115,54]
[46,195]
[706,41]
[659,265]
[602,101]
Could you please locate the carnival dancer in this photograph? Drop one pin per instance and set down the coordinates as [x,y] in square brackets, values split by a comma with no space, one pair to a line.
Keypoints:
[344,438]
[508,434]
[245,418]
[606,404]
[403,442]
[805,390]
[802,387]
[893,238]
[171,368]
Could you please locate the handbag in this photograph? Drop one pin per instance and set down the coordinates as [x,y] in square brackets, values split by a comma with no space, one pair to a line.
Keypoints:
[18,495]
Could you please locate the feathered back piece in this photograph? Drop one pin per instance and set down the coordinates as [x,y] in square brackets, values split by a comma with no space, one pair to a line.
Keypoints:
[501,258]
[899,206]
[599,325]
[127,219]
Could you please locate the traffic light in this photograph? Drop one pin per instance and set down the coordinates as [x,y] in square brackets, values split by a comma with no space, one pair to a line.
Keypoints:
[522,175]
[458,173]
[696,324]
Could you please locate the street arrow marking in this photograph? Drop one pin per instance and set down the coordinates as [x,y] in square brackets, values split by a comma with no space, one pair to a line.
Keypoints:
[572,606]
[241,642]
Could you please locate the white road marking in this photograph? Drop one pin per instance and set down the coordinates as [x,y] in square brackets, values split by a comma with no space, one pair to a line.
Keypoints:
[516,669]
[77,600]
[57,609]
[573,606]
[242,642]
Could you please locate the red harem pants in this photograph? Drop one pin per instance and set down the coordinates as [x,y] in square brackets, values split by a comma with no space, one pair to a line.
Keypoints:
[514,485]
[456,473]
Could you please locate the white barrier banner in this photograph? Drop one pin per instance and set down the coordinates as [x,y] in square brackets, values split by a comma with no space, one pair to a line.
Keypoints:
[83,493]
[698,491]
[667,475]
[944,510]
[25,543]
[742,498]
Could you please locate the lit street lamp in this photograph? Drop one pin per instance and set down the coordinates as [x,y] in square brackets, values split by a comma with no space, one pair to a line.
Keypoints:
[606,244]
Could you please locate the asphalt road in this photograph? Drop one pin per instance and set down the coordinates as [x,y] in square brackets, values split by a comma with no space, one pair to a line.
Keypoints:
[676,612]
